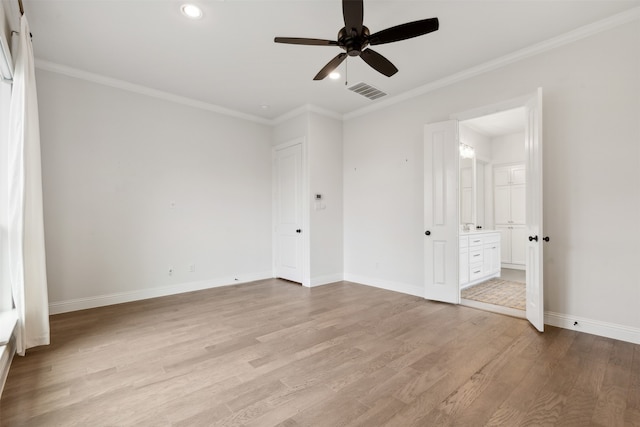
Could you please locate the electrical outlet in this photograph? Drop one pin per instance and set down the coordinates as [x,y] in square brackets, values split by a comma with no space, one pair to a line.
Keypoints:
[170,271]
[192,268]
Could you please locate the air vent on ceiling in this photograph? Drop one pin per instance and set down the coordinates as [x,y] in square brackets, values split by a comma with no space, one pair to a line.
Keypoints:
[367,91]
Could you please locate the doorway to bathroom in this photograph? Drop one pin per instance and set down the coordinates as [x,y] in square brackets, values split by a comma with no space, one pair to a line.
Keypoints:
[493,212]
[446,239]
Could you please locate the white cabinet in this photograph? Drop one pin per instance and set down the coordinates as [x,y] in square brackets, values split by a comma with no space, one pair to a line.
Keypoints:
[464,260]
[491,261]
[509,201]
[479,257]
[518,244]
[509,175]
[510,213]
[513,244]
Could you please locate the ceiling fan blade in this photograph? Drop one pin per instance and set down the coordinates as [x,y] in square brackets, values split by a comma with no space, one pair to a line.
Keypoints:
[332,65]
[404,31]
[304,41]
[353,12]
[378,62]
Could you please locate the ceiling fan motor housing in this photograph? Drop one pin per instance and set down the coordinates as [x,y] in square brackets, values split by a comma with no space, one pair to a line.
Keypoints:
[354,38]
[355,44]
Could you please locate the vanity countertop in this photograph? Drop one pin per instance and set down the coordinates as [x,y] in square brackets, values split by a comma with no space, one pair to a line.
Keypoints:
[472,232]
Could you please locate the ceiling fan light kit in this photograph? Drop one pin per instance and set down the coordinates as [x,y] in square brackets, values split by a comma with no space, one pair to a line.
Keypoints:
[191,11]
[354,38]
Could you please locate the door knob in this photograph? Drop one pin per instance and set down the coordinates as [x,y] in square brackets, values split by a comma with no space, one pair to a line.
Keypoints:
[298,231]
[427,233]
[546,239]
[531,239]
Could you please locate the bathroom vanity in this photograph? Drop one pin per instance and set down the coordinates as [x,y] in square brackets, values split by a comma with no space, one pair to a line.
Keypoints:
[479,256]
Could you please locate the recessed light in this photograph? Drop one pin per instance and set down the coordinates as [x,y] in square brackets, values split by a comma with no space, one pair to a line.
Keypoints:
[191,11]
[334,76]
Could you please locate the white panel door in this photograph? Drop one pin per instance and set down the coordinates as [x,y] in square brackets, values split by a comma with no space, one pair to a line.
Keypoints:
[288,212]
[441,220]
[534,267]
[518,244]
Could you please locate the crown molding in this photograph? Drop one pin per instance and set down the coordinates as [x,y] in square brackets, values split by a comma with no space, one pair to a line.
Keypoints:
[536,49]
[143,90]
[307,108]
[564,39]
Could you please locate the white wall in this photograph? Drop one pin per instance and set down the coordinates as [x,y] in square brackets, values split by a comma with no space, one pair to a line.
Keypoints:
[291,129]
[481,143]
[591,176]
[9,18]
[325,178]
[134,185]
[508,148]
[383,184]
[322,137]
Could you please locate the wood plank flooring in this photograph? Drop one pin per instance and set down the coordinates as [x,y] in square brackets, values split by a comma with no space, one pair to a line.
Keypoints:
[271,353]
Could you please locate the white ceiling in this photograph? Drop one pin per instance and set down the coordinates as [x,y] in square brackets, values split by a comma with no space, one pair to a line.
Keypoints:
[228,58]
[503,123]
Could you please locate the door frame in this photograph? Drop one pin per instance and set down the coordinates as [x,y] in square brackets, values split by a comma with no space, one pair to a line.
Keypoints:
[537,318]
[306,235]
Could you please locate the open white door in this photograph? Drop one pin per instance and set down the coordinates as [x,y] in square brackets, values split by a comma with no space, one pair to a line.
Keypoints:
[288,212]
[534,267]
[441,163]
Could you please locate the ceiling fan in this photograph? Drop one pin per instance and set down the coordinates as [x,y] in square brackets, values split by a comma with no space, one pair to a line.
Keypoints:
[354,38]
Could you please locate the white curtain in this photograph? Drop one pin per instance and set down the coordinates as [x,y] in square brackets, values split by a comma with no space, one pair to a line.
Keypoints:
[28,274]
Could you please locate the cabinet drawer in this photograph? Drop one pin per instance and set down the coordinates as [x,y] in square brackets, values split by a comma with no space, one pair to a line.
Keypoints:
[475,272]
[491,238]
[475,241]
[475,255]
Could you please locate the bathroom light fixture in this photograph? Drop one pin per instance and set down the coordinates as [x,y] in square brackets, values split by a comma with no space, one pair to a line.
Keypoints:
[334,76]
[191,11]
[466,151]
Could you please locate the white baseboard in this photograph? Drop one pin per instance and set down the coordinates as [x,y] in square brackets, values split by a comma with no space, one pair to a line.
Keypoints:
[57,307]
[404,288]
[326,279]
[589,326]
[513,266]
[595,327]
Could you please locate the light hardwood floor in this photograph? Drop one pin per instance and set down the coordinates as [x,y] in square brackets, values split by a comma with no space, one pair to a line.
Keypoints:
[274,353]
